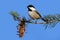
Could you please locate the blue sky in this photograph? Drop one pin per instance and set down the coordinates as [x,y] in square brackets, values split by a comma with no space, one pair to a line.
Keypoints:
[34,31]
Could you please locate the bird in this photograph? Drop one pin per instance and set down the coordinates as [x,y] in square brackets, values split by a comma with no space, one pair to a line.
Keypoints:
[33,13]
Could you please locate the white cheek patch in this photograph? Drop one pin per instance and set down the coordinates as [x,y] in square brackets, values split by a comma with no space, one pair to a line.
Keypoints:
[32,8]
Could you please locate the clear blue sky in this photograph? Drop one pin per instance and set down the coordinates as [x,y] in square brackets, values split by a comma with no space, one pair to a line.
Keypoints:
[34,32]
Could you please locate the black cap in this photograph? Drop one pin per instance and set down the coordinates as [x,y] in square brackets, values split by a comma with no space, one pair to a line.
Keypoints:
[30,6]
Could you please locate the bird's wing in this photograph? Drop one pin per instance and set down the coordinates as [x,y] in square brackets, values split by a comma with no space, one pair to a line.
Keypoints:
[38,14]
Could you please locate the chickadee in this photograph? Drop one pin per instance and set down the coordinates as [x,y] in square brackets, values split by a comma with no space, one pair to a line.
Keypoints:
[32,12]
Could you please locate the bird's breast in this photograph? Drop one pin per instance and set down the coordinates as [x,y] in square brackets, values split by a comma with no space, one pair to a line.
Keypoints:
[34,15]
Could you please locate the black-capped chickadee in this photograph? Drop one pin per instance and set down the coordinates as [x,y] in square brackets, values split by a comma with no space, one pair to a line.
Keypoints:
[32,12]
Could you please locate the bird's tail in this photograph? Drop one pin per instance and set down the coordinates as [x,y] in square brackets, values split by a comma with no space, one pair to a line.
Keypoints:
[45,20]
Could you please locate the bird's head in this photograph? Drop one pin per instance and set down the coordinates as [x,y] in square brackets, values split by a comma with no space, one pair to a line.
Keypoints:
[31,7]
